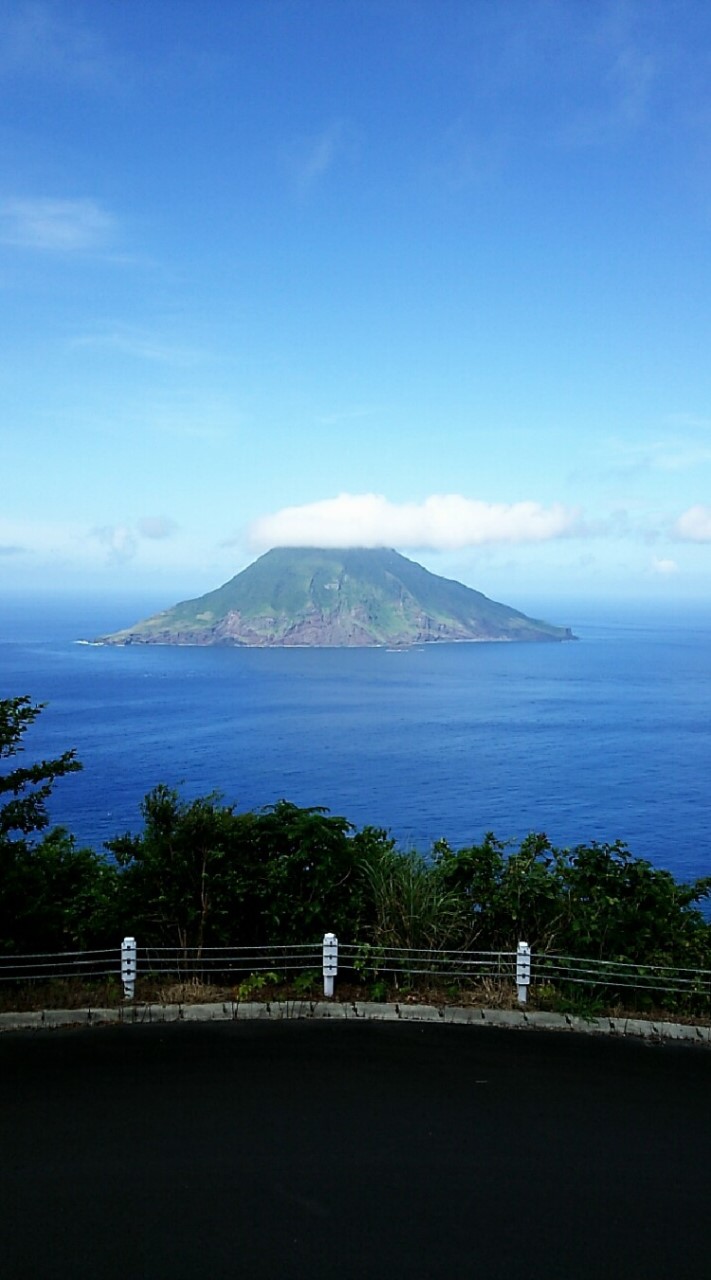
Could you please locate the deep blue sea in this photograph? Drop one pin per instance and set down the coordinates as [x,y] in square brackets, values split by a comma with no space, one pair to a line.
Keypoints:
[608,738]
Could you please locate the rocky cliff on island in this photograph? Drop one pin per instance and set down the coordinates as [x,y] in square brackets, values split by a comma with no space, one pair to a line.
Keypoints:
[358,597]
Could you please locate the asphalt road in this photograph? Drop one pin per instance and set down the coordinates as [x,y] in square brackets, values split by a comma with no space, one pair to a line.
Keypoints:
[307,1150]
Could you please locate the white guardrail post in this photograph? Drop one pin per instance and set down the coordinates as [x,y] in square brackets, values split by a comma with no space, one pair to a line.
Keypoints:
[330,962]
[128,967]
[523,971]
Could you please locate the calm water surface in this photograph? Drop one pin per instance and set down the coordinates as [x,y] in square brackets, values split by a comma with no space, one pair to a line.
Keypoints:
[603,739]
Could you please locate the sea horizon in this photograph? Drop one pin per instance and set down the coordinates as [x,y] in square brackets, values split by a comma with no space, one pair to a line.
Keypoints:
[605,739]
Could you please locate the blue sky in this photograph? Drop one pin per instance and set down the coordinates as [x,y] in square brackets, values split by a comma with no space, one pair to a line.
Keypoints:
[432,274]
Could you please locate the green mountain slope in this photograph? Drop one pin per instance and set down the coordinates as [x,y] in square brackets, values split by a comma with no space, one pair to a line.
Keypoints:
[306,596]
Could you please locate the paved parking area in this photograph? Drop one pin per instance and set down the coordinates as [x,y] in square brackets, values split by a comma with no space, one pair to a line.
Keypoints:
[312,1149]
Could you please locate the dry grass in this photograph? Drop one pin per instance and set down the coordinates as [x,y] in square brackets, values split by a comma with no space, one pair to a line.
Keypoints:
[60,993]
[194,991]
[488,993]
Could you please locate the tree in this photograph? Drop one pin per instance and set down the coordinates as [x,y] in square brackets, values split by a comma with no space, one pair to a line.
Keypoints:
[621,907]
[173,876]
[303,866]
[202,875]
[53,896]
[30,786]
[595,901]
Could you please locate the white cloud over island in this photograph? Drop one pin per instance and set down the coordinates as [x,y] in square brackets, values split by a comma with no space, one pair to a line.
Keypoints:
[442,522]
[694,525]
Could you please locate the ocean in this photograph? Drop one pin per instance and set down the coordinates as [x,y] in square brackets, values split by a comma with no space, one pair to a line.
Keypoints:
[604,739]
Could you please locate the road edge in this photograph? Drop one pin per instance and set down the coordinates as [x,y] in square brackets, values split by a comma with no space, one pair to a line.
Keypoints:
[278,1010]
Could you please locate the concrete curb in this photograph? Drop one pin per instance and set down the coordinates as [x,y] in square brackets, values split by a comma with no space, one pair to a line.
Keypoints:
[275,1010]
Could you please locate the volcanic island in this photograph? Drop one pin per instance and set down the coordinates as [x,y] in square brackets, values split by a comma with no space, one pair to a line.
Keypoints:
[309,597]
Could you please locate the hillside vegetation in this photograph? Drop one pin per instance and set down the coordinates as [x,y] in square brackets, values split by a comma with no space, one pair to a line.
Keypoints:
[299,596]
[200,873]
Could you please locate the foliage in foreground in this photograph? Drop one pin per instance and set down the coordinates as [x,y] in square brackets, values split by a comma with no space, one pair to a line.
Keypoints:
[53,896]
[201,874]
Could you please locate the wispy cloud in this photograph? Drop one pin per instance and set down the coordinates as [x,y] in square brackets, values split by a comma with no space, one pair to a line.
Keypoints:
[470,157]
[309,158]
[441,522]
[179,414]
[615,524]
[625,458]
[694,525]
[149,541]
[119,541]
[346,415]
[560,75]
[694,420]
[64,226]
[680,457]
[51,40]
[51,541]
[632,78]
[137,343]
[122,540]
[664,568]
[626,98]
[156,527]
[199,417]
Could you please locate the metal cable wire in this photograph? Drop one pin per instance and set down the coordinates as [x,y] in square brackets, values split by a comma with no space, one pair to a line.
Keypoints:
[542,957]
[223,961]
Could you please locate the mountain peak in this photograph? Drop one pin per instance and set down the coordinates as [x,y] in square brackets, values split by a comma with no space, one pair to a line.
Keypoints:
[352,597]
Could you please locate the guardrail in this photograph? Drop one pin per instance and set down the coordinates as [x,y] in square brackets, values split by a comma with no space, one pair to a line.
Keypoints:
[44,966]
[406,963]
[217,964]
[620,975]
[397,966]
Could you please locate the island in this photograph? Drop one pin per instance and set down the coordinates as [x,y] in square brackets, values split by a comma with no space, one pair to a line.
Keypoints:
[299,596]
